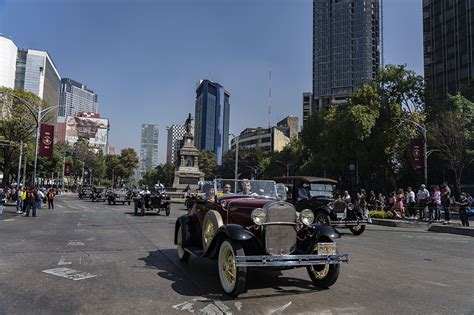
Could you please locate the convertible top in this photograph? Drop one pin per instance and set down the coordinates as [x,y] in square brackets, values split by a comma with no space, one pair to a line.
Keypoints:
[307,179]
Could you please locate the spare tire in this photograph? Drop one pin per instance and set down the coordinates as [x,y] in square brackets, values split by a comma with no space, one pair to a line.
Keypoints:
[212,221]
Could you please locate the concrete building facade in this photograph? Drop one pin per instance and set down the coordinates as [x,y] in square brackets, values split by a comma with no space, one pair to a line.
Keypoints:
[8,55]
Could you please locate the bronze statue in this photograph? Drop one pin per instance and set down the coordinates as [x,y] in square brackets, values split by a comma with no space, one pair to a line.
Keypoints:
[187,124]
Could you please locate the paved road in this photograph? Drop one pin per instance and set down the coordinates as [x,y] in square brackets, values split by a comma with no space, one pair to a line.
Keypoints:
[127,265]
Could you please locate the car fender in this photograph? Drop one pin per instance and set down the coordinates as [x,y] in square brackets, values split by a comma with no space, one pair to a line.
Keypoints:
[185,222]
[324,230]
[235,232]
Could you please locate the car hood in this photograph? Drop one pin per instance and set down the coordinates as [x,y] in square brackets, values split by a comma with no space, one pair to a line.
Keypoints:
[247,202]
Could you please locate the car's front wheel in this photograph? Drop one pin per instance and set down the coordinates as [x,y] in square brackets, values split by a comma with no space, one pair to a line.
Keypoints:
[233,279]
[183,255]
[323,276]
[322,217]
[358,229]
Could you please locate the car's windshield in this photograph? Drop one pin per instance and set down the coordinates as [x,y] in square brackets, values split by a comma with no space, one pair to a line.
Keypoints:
[254,188]
[321,190]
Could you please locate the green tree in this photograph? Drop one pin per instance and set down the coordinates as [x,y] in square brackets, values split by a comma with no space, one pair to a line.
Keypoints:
[452,135]
[207,164]
[163,173]
[250,163]
[17,124]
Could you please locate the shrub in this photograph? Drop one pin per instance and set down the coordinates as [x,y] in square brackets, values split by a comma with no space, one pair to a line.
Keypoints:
[380,214]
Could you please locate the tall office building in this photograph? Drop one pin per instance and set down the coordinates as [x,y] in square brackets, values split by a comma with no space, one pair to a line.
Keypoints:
[75,97]
[148,148]
[448,45]
[8,53]
[36,73]
[175,138]
[346,48]
[212,118]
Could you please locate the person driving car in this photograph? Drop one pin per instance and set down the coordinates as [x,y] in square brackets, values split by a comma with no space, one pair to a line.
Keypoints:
[303,192]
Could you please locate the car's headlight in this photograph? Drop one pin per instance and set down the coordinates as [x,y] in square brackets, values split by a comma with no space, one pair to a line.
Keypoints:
[331,205]
[350,206]
[259,216]
[307,217]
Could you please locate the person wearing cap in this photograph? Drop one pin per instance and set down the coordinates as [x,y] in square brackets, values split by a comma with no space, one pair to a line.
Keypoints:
[463,204]
[423,196]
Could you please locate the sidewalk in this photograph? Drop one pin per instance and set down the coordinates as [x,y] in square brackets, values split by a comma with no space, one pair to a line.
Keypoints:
[455,227]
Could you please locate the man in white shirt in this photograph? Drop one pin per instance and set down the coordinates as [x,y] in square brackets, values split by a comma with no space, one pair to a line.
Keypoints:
[423,197]
[410,198]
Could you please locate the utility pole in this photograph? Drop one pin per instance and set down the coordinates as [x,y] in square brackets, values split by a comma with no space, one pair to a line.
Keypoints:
[19,166]
[24,171]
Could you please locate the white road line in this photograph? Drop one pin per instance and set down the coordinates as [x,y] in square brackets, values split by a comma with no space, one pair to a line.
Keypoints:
[75,243]
[63,261]
[8,220]
[436,283]
[280,309]
[69,273]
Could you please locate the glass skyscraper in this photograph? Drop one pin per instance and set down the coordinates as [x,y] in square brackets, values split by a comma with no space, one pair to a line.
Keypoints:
[75,97]
[346,48]
[148,148]
[448,45]
[212,118]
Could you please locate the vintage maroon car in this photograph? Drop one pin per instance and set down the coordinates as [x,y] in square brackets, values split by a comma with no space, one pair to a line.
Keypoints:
[246,224]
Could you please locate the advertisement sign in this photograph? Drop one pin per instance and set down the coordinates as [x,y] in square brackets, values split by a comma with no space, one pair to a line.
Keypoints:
[95,130]
[46,140]
[416,150]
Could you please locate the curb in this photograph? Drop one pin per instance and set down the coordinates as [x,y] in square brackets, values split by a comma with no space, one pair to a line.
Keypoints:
[399,223]
[459,230]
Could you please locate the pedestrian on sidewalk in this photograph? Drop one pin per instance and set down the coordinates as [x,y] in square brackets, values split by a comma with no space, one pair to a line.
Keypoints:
[400,203]
[50,196]
[3,199]
[410,201]
[30,201]
[24,203]
[423,198]
[463,205]
[39,198]
[19,200]
[446,202]
[437,204]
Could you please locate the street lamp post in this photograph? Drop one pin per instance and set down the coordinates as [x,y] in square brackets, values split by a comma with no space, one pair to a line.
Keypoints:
[236,174]
[421,128]
[38,113]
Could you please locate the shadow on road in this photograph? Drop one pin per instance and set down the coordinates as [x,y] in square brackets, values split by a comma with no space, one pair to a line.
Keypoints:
[151,214]
[200,276]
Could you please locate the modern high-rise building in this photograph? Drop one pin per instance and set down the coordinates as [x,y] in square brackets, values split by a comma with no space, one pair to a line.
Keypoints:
[212,118]
[346,48]
[148,148]
[8,53]
[175,138]
[75,97]
[36,73]
[448,45]
[307,105]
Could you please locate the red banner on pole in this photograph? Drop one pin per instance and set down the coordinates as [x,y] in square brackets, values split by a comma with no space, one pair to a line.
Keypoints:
[67,169]
[46,140]
[416,149]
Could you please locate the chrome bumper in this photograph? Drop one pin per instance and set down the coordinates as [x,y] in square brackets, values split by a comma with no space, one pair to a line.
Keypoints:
[289,260]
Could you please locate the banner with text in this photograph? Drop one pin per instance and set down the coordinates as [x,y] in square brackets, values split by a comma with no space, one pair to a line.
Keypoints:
[416,149]
[46,140]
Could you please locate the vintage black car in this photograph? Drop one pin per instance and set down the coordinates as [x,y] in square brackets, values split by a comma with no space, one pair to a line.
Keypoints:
[121,195]
[248,226]
[155,199]
[84,192]
[316,193]
[99,193]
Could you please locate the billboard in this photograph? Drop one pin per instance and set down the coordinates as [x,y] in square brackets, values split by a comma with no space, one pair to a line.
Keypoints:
[95,130]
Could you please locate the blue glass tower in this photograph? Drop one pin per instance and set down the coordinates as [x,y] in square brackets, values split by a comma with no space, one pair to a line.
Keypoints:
[212,118]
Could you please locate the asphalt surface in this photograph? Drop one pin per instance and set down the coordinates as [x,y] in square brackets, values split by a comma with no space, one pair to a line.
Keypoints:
[127,265]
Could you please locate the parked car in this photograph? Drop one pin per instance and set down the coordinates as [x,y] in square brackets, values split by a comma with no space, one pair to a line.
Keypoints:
[317,194]
[122,195]
[155,199]
[248,225]
[99,193]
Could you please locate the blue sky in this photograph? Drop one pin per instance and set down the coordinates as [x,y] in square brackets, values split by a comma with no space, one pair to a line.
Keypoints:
[144,57]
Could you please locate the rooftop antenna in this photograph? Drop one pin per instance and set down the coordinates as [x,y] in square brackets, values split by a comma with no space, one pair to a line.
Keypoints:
[270,98]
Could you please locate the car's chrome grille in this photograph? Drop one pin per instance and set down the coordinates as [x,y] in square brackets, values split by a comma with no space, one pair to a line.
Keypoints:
[280,239]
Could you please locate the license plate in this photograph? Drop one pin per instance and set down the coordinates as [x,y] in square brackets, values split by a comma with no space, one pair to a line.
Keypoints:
[327,249]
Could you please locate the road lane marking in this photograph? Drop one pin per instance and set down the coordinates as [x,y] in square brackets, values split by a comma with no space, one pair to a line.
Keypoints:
[69,273]
[8,220]
[436,283]
[63,261]
[75,243]
[238,305]
[280,309]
